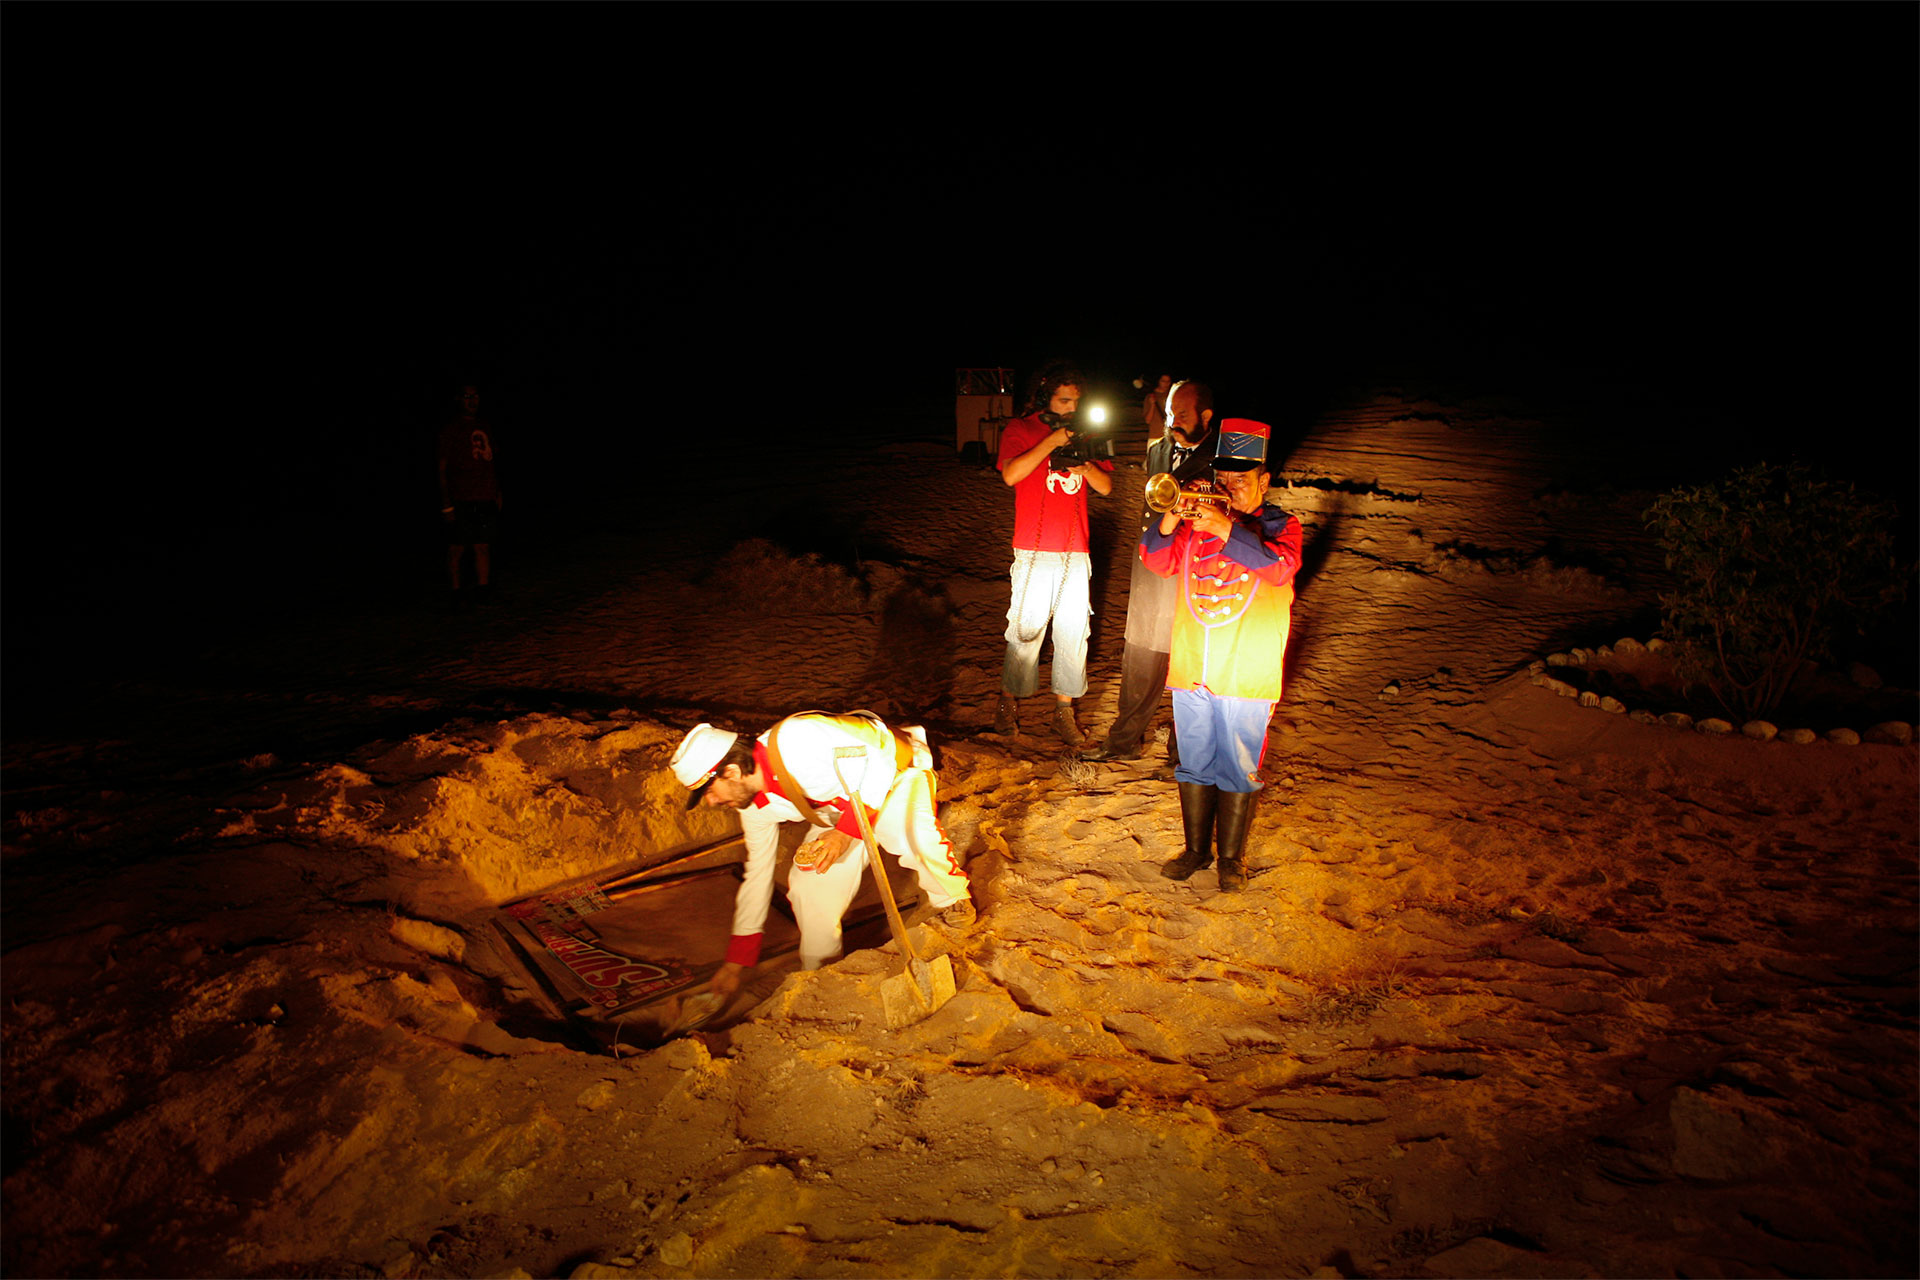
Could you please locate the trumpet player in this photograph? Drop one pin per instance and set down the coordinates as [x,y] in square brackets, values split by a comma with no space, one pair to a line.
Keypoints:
[1234,558]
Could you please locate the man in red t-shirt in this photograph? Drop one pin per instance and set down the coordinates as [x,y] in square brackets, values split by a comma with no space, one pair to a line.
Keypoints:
[469,490]
[1051,569]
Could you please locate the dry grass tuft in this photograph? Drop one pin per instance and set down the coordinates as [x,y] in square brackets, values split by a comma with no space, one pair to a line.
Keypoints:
[1078,774]
[1359,995]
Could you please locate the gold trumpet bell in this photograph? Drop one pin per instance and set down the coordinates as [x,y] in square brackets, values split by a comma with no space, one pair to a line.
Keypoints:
[1164,494]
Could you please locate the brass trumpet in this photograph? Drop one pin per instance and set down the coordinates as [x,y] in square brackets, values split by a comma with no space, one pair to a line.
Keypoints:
[1164,494]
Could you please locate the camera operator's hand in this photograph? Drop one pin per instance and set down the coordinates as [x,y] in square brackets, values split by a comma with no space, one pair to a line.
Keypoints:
[1061,438]
[1098,478]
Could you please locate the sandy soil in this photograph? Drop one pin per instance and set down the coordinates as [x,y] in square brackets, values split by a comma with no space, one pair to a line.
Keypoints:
[1519,988]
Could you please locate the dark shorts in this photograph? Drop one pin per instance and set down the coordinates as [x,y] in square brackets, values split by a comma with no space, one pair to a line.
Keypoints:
[473,522]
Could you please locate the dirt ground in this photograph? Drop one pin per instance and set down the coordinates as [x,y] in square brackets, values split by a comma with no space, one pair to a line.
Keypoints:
[1520,986]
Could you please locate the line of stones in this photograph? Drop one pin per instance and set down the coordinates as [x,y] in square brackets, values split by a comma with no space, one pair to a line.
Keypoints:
[1890,732]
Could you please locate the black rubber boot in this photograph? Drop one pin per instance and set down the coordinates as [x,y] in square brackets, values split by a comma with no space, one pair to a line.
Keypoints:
[1236,816]
[1197,801]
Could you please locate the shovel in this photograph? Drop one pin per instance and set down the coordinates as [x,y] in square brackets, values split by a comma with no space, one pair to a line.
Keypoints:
[921,986]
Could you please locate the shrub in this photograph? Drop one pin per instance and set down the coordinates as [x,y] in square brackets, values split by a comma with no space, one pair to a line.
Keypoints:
[1769,565]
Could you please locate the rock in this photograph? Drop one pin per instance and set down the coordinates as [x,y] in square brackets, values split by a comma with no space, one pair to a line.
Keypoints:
[1656,645]
[1390,691]
[676,1250]
[595,1096]
[432,939]
[1890,732]
[1536,666]
[1613,705]
[1643,716]
[1677,720]
[601,1271]
[1345,916]
[1561,687]
[1714,725]
[1559,660]
[1588,698]
[1599,1192]
[1863,676]
[1799,737]
[1627,644]
[1482,1256]
[1580,656]
[1545,952]
[1759,730]
[685,1054]
[1603,652]
[1714,1139]
[1327,1109]
[1843,737]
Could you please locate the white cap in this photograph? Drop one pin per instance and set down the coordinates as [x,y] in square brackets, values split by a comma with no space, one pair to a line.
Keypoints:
[697,759]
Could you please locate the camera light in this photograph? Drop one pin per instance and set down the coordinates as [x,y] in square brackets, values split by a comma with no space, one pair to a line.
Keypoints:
[1097,414]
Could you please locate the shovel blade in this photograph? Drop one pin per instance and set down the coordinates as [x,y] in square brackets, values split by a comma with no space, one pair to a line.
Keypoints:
[916,991]
[695,1010]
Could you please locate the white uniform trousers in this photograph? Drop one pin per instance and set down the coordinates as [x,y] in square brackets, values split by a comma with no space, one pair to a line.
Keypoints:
[906,828]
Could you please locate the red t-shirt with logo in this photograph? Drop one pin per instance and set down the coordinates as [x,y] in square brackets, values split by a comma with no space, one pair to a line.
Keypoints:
[466,455]
[1049,507]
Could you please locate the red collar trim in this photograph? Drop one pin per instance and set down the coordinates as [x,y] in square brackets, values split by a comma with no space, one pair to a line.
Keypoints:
[763,765]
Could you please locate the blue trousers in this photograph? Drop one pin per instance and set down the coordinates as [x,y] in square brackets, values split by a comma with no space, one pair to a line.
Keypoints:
[1222,740]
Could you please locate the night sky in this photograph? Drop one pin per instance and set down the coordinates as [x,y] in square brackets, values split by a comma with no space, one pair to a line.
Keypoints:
[251,250]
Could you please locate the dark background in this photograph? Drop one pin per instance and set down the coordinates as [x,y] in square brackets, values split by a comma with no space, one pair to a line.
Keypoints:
[250,252]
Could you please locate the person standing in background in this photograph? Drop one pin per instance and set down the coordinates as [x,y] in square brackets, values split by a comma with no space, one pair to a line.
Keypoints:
[1052,572]
[1153,409]
[470,500]
[1185,452]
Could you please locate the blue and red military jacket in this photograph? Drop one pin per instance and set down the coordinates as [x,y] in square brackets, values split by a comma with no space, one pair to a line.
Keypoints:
[1236,601]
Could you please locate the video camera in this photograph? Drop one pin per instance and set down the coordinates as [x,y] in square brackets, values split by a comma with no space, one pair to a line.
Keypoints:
[1091,439]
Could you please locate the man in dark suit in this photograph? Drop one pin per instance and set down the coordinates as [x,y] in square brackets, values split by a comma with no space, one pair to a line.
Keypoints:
[1185,451]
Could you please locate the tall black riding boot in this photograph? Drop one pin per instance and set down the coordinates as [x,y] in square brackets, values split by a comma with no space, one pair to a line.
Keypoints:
[1236,816]
[1197,801]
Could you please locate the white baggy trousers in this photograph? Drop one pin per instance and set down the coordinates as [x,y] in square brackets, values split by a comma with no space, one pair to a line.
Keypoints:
[1048,587]
[906,829]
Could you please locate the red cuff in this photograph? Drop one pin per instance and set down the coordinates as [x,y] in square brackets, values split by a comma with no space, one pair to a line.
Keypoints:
[744,949]
[849,824]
